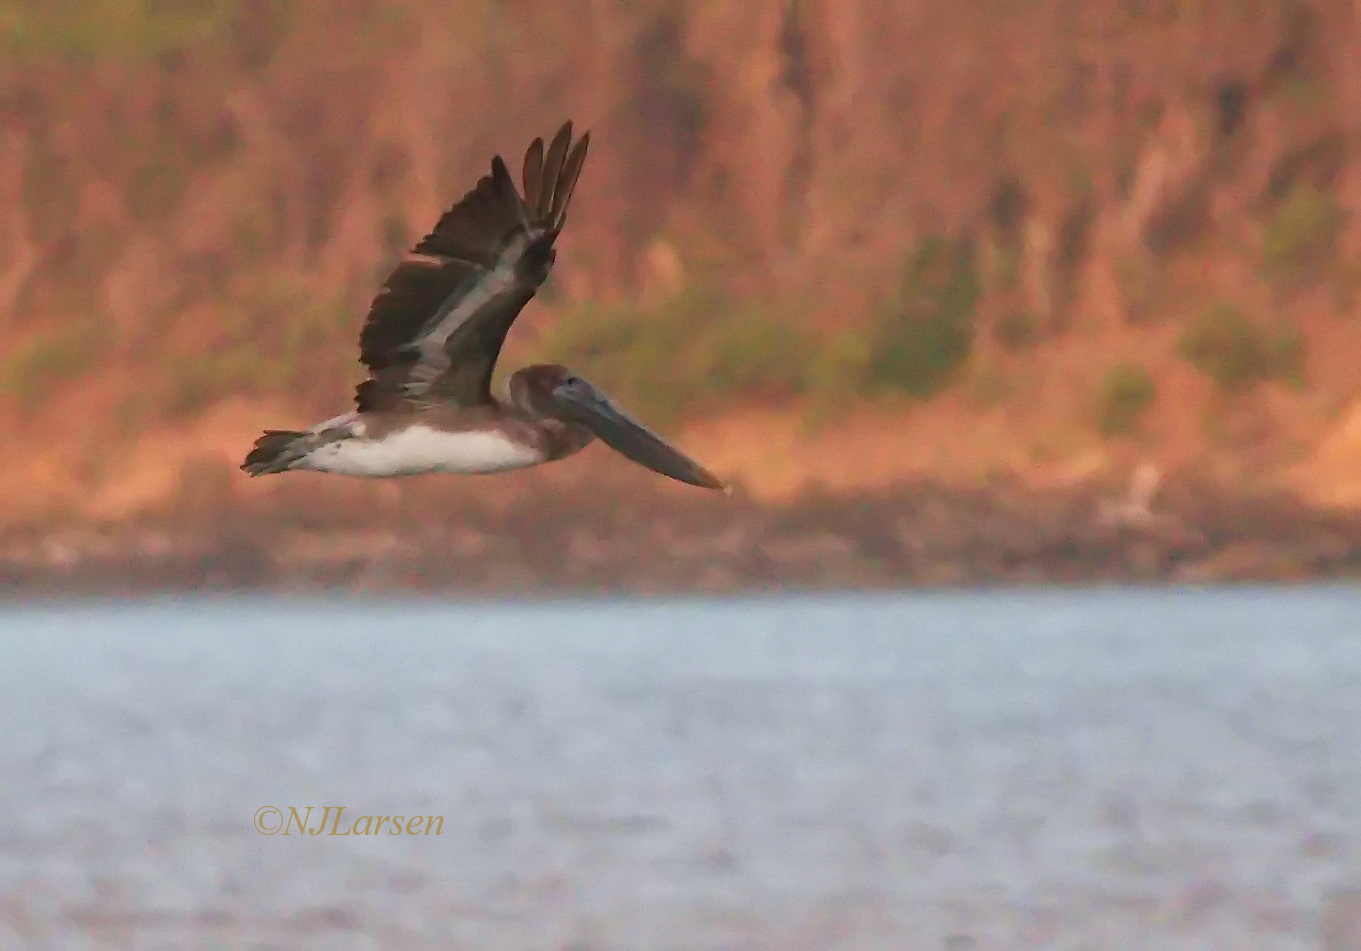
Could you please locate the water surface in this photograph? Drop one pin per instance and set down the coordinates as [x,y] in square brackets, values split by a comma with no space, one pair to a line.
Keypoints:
[1098,769]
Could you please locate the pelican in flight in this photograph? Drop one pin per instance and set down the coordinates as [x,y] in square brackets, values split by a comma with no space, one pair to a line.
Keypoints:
[432,337]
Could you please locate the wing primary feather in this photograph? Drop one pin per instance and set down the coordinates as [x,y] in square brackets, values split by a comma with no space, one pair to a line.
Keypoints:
[532,177]
[505,188]
[552,167]
[420,301]
[500,177]
[567,182]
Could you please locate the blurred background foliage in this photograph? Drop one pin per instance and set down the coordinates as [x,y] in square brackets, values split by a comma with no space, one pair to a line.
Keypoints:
[780,210]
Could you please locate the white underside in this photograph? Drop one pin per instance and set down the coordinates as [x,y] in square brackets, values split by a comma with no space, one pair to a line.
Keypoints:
[421,449]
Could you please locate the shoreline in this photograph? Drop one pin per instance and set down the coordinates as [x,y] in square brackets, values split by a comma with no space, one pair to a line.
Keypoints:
[632,539]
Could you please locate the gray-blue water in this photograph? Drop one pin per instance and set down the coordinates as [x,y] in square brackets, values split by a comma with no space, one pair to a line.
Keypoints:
[1101,769]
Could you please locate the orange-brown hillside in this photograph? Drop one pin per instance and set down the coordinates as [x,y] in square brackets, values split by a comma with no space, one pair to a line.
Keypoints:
[833,241]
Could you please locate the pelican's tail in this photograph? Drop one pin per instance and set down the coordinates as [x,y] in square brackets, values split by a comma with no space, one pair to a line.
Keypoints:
[276,451]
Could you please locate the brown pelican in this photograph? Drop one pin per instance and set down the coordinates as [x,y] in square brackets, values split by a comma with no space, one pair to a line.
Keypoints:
[432,337]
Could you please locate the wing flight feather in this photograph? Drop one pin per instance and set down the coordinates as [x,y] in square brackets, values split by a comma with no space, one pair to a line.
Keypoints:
[436,328]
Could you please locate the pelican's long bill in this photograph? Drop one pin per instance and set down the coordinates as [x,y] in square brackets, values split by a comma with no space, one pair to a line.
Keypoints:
[583,403]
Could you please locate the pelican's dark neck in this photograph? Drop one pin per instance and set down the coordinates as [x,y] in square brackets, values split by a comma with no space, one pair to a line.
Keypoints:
[565,438]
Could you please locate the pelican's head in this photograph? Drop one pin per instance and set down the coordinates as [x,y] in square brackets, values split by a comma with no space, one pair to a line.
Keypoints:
[552,391]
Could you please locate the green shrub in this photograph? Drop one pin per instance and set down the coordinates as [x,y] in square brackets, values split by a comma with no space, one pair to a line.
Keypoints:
[1004,266]
[751,354]
[839,368]
[696,351]
[836,374]
[1238,353]
[1125,393]
[921,338]
[240,369]
[53,356]
[1301,237]
[98,28]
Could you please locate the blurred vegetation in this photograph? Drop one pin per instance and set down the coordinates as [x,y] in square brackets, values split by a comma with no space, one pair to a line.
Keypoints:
[225,182]
[698,351]
[1126,392]
[1301,237]
[837,374]
[276,337]
[1017,330]
[1238,353]
[124,28]
[921,338]
[47,359]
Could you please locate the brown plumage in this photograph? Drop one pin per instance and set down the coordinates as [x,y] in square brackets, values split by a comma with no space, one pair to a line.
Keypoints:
[432,337]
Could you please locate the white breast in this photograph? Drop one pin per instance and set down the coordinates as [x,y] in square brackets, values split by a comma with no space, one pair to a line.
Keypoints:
[419,449]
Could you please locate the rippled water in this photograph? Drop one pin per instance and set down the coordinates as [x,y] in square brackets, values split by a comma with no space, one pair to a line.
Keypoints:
[1101,769]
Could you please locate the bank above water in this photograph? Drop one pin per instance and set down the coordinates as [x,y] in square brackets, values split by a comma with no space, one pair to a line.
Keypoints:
[632,537]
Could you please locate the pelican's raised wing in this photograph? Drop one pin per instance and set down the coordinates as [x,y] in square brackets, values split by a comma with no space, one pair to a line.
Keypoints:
[434,332]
